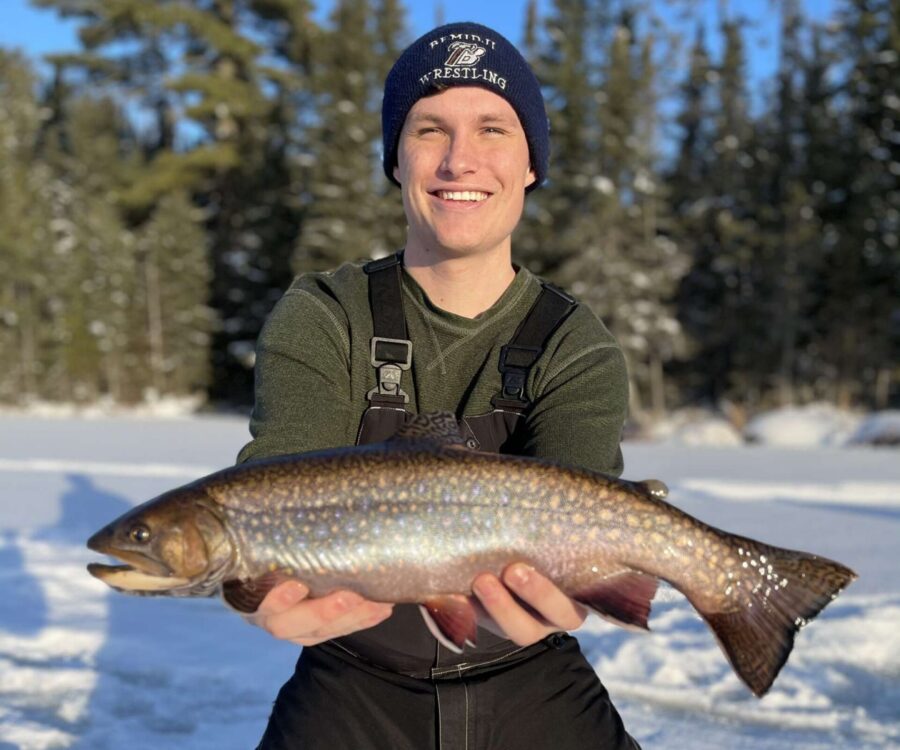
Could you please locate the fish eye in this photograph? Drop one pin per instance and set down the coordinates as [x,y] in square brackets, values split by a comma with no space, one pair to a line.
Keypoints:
[139,533]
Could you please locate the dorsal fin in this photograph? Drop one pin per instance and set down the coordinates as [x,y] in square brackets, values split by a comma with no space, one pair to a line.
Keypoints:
[654,488]
[438,427]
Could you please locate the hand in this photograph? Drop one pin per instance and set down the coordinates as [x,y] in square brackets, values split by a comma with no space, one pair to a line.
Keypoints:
[555,611]
[287,614]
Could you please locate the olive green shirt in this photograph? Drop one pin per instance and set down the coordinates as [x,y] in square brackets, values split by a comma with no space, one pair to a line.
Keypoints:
[313,370]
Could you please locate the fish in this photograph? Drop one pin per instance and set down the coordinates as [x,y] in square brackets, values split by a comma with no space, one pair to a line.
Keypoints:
[416,518]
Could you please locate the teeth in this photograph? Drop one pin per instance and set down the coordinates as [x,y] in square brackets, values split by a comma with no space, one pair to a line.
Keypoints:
[462,195]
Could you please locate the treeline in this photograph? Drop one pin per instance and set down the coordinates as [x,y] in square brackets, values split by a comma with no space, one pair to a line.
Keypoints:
[159,189]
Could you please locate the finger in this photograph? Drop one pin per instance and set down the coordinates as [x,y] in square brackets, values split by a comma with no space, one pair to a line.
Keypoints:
[544,596]
[519,625]
[281,598]
[315,620]
[366,615]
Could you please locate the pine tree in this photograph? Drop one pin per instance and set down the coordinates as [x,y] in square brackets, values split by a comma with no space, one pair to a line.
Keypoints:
[562,215]
[172,262]
[24,230]
[716,296]
[628,268]
[352,212]
[863,262]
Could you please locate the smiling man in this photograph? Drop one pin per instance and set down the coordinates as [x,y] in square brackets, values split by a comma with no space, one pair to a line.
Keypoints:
[447,324]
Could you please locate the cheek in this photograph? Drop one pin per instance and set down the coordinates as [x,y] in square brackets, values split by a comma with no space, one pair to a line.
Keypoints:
[184,551]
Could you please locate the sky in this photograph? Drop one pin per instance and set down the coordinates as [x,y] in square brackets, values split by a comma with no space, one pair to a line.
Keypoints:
[39,31]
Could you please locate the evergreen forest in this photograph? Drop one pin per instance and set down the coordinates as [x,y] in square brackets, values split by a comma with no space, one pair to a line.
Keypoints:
[160,188]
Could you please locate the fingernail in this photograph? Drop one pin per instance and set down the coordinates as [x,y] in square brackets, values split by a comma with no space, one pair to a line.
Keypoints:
[483,586]
[519,574]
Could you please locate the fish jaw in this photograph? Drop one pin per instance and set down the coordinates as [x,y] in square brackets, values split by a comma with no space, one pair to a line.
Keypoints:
[131,580]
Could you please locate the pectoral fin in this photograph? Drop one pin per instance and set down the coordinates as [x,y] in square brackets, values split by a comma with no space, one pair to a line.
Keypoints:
[624,598]
[246,596]
[452,620]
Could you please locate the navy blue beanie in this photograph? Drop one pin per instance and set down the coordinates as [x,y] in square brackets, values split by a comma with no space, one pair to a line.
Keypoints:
[465,54]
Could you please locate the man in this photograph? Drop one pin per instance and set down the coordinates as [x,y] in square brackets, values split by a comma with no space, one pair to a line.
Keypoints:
[449,324]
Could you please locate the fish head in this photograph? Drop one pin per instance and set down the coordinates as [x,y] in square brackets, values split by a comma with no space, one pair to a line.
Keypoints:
[174,545]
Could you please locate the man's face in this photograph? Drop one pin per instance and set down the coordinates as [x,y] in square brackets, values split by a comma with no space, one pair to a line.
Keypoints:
[463,167]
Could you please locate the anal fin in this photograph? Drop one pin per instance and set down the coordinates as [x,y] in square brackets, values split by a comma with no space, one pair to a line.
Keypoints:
[246,596]
[622,597]
[452,619]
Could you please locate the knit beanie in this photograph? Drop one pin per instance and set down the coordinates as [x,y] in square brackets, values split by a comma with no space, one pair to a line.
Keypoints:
[465,54]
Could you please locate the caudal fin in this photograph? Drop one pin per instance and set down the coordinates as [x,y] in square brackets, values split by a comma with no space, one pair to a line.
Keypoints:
[778,593]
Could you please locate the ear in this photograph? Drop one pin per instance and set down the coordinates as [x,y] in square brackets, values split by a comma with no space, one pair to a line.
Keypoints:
[396,172]
[530,177]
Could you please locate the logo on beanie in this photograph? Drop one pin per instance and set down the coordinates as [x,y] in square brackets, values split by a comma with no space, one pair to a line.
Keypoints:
[465,51]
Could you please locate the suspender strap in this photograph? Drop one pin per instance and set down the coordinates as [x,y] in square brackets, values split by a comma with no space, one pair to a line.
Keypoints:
[517,357]
[391,349]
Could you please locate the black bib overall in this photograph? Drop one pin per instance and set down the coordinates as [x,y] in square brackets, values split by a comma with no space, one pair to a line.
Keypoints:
[394,686]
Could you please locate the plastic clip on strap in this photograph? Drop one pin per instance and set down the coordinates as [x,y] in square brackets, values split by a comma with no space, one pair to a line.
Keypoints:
[391,349]
[517,357]
[390,357]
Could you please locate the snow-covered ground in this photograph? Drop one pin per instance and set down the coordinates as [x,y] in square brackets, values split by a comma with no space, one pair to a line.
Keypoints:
[83,667]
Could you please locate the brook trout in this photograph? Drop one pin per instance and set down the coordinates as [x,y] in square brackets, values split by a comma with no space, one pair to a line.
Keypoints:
[417,518]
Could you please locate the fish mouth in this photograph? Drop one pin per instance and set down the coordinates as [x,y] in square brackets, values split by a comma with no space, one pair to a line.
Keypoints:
[140,573]
[133,579]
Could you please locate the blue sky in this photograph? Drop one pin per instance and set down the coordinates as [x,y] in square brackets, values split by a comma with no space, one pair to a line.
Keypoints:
[39,31]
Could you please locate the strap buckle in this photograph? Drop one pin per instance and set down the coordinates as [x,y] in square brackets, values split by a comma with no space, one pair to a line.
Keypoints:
[515,362]
[390,357]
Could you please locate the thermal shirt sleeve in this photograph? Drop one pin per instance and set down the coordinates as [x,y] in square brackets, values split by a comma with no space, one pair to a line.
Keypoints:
[302,378]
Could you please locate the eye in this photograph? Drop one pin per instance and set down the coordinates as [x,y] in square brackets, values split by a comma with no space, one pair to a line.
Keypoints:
[139,533]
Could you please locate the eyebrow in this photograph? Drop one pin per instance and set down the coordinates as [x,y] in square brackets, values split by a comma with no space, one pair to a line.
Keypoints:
[488,117]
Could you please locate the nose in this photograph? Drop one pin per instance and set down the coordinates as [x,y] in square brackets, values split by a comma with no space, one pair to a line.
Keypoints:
[460,158]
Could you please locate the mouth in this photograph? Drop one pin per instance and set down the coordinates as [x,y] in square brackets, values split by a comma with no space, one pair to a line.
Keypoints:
[139,574]
[463,198]
[130,578]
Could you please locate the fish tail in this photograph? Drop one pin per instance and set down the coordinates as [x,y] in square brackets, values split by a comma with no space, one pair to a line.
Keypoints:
[781,591]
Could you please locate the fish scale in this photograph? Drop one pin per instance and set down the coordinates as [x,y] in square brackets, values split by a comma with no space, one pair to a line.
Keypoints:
[417,518]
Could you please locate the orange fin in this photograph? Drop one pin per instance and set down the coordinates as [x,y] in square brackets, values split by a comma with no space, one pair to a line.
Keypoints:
[246,596]
[452,620]
[622,597]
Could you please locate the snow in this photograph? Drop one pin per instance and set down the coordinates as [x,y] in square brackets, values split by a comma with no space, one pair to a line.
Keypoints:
[882,428]
[83,667]
[802,427]
[690,427]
